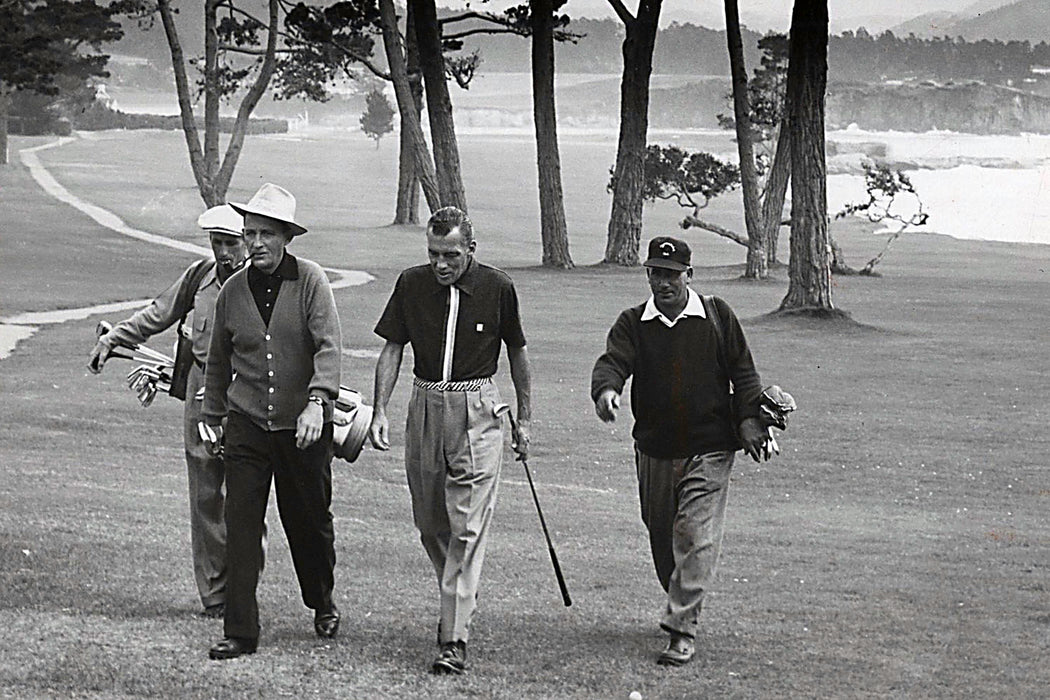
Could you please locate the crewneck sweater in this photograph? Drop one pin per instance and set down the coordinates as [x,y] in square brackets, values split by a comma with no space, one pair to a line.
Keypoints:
[680,392]
[267,372]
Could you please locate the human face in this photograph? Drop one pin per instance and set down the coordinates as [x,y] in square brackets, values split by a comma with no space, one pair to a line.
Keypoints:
[670,288]
[229,251]
[450,255]
[266,239]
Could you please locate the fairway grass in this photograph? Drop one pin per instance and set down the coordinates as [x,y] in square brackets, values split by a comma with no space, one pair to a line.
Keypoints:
[899,547]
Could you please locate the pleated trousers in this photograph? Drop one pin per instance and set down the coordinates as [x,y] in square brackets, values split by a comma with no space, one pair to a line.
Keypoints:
[453,454]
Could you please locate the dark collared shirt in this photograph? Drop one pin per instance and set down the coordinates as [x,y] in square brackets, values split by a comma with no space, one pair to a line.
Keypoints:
[265,287]
[485,309]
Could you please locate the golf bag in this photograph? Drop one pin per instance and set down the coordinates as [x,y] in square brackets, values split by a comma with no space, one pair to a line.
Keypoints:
[184,345]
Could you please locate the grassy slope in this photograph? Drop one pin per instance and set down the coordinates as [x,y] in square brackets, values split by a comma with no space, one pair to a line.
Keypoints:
[898,547]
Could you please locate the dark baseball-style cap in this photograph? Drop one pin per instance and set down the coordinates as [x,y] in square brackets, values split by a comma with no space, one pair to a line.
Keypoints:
[669,253]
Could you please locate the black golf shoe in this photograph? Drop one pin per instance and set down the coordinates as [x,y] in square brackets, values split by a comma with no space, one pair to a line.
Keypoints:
[452,661]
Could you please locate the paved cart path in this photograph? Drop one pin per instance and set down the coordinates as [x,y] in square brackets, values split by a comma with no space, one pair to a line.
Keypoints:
[18,327]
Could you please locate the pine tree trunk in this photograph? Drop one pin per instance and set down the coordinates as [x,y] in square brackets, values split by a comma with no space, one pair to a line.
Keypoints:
[5,104]
[757,267]
[553,230]
[439,105]
[182,91]
[776,191]
[625,222]
[407,184]
[211,103]
[810,267]
[248,104]
[415,83]
[415,167]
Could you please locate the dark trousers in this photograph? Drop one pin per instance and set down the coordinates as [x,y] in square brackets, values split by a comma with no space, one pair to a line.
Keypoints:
[303,481]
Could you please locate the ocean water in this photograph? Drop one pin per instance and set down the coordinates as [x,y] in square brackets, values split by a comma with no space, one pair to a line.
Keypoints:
[994,188]
[973,186]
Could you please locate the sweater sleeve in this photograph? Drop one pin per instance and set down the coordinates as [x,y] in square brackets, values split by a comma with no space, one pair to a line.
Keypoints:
[747,385]
[218,372]
[322,321]
[146,322]
[612,369]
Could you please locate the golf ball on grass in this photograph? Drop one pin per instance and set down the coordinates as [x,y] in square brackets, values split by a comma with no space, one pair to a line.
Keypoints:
[635,695]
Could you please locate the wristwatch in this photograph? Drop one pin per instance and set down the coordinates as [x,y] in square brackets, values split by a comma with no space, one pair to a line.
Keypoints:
[317,400]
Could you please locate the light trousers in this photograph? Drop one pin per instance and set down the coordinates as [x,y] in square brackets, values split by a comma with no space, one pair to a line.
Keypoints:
[206,475]
[683,506]
[453,453]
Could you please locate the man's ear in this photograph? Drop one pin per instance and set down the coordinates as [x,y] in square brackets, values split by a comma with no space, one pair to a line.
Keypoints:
[689,273]
[473,245]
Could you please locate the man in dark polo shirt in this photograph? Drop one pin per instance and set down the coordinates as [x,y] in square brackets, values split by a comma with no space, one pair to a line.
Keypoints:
[455,312]
[272,376]
[686,430]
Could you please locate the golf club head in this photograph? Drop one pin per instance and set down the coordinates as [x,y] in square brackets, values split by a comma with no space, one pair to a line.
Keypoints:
[500,410]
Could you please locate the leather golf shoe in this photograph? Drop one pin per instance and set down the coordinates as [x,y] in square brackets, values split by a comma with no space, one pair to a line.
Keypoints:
[680,650]
[452,661]
[326,622]
[232,647]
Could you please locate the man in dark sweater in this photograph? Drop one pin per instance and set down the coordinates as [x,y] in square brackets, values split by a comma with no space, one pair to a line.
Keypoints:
[271,380]
[688,426]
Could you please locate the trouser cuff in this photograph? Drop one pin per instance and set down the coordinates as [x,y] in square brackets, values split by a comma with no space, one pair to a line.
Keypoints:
[675,628]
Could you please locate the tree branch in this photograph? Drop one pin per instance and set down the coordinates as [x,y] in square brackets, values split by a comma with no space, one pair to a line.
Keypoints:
[251,52]
[481,30]
[182,89]
[622,12]
[693,222]
[472,14]
[255,93]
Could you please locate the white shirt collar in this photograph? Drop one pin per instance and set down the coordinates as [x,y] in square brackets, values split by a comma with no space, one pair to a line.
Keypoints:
[693,307]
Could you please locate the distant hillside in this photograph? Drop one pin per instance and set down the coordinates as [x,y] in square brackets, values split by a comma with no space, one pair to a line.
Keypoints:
[929,25]
[971,107]
[1027,20]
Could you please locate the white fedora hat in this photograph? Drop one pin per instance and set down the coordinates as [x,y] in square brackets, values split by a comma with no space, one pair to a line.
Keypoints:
[222,219]
[274,202]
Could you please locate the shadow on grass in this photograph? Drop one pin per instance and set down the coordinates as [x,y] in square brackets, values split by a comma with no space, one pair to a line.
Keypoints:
[833,322]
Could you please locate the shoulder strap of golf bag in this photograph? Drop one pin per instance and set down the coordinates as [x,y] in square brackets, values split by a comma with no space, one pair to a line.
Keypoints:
[180,371]
[716,323]
[188,290]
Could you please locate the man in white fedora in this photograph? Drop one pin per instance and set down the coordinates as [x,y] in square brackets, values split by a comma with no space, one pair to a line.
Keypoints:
[271,380]
[190,301]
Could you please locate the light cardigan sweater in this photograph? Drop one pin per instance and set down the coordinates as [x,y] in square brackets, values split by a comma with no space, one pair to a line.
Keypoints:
[268,373]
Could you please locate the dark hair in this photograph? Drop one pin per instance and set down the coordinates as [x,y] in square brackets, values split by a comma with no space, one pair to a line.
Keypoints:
[447,219]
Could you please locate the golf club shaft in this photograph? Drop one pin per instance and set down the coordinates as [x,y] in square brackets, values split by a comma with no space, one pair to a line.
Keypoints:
[543,524]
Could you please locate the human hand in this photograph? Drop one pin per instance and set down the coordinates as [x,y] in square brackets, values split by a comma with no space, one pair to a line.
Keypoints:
[379,430]
[607,405]
[308,425]
[211,436]
[753,438]
[97,358]
[519,437]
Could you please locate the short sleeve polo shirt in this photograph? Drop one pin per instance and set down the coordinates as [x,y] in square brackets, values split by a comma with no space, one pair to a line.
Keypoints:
[483,306]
